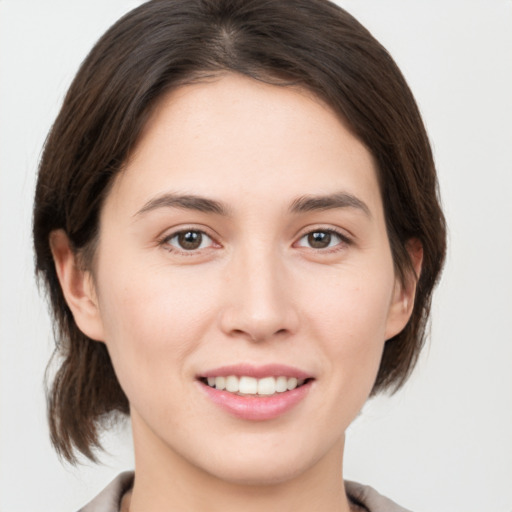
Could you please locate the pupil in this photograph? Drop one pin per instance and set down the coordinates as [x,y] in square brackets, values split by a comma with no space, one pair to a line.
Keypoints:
[190,240]
[319,240]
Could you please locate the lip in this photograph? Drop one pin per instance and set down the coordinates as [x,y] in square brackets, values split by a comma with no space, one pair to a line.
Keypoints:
[254,407]
[257,408]
[258,372]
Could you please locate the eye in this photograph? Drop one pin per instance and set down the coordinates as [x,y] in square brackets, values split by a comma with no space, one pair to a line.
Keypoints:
[321,239]
[188,240]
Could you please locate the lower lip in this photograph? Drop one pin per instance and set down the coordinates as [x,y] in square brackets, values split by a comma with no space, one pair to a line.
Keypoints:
[257,407]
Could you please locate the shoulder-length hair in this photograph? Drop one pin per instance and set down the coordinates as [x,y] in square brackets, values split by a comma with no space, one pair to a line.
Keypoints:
[164,44]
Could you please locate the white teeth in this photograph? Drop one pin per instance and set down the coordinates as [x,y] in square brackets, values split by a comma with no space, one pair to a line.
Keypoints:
[220,382]
[267,386]
[232,384]
[281,384]
[292,383]
[250,386]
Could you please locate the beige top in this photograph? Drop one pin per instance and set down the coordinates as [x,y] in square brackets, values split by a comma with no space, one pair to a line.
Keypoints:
[368,499]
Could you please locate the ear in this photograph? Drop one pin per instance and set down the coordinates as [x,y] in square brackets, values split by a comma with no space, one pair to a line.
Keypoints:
[402,303]
[77,286]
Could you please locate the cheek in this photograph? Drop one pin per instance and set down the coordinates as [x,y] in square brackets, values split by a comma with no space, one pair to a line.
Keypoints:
[151,325]
[350,317]
[354,303]
[155,300]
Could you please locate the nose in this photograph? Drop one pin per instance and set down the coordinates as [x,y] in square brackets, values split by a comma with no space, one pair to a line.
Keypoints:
[259,303]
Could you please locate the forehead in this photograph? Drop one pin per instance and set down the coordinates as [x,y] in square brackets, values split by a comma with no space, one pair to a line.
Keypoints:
[235,135]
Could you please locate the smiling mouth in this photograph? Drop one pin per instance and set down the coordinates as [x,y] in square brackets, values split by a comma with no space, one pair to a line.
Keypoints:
[251,386]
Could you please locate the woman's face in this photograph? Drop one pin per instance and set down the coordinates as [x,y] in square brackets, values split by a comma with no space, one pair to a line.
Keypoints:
[245,239]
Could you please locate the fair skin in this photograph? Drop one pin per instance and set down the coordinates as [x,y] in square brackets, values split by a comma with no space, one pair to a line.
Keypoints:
[286,262]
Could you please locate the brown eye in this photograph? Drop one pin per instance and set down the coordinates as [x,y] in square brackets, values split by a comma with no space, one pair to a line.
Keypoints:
[189,240]
[319,239]
[322,239]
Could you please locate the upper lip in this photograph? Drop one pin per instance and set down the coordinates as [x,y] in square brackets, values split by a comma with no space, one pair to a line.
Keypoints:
[258,372]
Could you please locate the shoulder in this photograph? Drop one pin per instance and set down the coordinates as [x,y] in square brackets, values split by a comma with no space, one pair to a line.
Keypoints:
[370,499]
[109,500]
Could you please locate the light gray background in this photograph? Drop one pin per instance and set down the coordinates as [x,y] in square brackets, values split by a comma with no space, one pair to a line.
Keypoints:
[444,443]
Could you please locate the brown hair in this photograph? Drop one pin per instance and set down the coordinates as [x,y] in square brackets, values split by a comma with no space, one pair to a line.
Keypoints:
[166,43]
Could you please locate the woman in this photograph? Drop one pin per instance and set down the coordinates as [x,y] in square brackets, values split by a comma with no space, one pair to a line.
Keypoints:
[237,221]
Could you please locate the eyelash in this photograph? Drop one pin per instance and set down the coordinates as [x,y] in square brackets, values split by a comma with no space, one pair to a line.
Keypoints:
[344,240]
[165,241]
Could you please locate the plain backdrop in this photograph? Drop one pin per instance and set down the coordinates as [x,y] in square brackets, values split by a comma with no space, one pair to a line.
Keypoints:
[442,444]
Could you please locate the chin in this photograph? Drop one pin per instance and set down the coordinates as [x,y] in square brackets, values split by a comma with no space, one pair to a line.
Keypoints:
[261,466]
[265,474]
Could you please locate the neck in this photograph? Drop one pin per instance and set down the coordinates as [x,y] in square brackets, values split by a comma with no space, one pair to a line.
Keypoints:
[164,480]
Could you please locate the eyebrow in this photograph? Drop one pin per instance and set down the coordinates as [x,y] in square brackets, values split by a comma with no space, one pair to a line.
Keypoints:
[187,202]
[329,202]
[300,205]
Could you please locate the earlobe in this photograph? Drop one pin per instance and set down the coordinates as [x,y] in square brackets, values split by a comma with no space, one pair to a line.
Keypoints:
[77,286]
[405,292]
